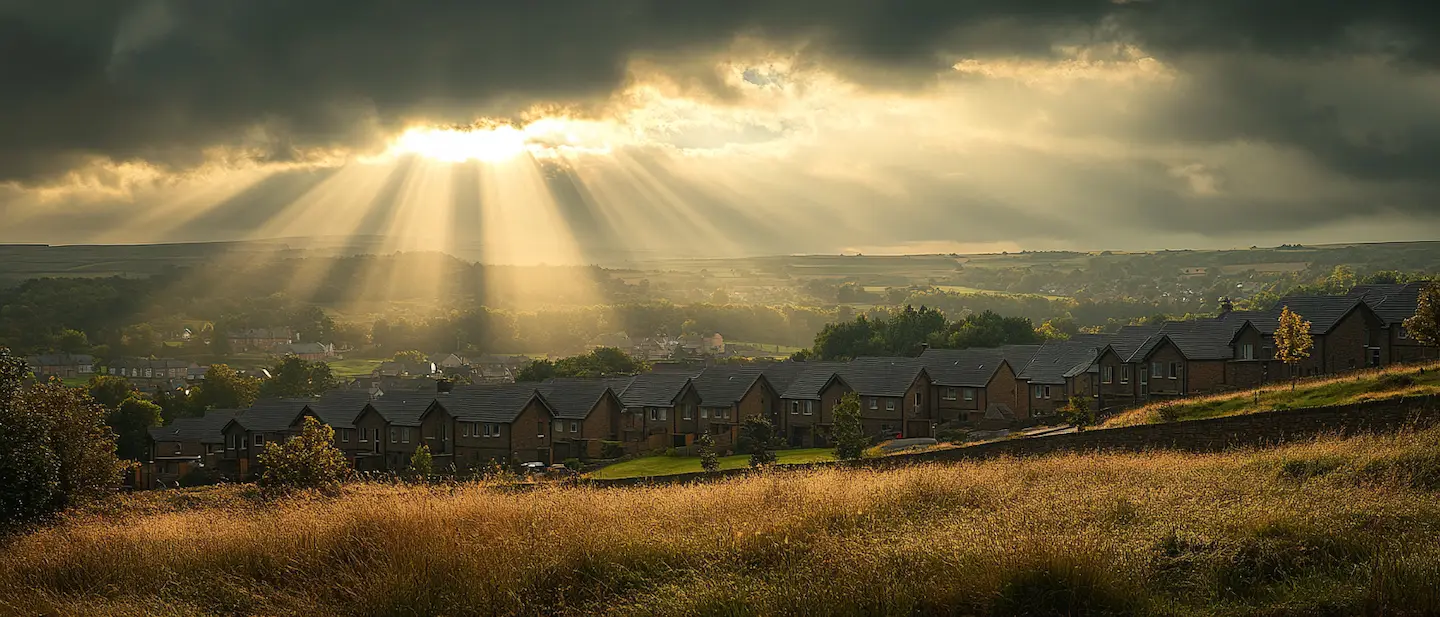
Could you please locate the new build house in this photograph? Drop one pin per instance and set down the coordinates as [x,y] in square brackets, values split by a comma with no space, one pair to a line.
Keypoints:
[587,413]
[979,384]
[729,395]
[473,426]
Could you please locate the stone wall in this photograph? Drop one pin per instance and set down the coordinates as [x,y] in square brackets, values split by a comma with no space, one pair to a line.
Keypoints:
[1210,435]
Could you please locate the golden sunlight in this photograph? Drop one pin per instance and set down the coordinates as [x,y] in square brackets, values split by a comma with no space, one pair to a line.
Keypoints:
[459,145]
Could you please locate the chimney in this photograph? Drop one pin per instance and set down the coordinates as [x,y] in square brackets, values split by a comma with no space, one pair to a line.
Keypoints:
[443,386]
[1225,305]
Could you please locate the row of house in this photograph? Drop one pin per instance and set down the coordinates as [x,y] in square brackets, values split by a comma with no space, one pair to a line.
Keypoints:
[468,426]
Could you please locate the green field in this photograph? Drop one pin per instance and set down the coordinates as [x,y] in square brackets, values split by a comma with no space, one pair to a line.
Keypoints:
[354,367]
[1342,390]
[671,465]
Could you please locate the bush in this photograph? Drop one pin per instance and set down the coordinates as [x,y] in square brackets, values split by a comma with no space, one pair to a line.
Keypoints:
[421,463]
[1168,413]
[758,437]
[1395,381]
[611,449]
[1078,412]
[572,464]
[307,461]
[199,476]
[850,439]
[708,461]
[55,449]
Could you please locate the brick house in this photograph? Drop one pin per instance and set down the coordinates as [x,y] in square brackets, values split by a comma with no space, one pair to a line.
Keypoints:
[979,384]
[151,372]
[338,409]
[61,365]
[1184,358]
[587,413]
[1393,304]
[661,411]
[246,434]
[1059,370]
[780,375]
[1119,380]
[729,395]
[803,403]
[184,444]
[895,394]
[472,426]
[1346,331]
[260,339]
[386,432]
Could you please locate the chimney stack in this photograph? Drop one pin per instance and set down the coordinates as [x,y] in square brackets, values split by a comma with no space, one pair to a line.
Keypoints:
[443,386]
[1225,305]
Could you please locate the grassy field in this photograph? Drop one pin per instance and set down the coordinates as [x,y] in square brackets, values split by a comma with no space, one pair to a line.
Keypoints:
[1331,527]
[354,367]
[1385,383]
[670,465]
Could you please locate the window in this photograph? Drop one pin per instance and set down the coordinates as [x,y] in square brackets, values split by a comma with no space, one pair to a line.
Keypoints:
[1174,370]
[465,429]
[1047,391]
[1157,369]
[794,408]
[259,440]
[404,435]
[889,405]
[1036,392]
[874,403]
[559,426]
[969,394]
[539,428]
[949,394]
[654,413]
[345,435]
[486,427]
[686,413]
[1107,374]
[230,442]
[1144,376]
[393,435]
[1402,332]
[494,430]
[574,427]
[1125,374]
[809,409]
[917,399]
[705,412]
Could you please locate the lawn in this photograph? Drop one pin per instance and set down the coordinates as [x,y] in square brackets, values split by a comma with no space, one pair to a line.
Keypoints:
[1326,527]
[1362,386]
[670,465]
[353,367]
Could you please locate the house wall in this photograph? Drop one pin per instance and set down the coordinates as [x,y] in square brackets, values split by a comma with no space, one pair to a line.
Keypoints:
[1206,376]
[1006,389]
[1406,348]
[1043,406]
[371,453]
[1163,385]
[1116,393]
[946,410]
[1346,346]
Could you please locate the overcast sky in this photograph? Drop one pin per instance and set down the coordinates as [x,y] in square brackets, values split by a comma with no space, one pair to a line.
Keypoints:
[724,126]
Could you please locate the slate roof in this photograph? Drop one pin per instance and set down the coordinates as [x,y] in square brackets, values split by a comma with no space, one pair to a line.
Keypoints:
[66,359]
[1129,339]
[573,398]
[271,415]
[722,386]
[655,389]
[974,367]
[490,403]
[1200,339]
[402,410]
[1393,303]
[782,374]
[1264,321]
[871,376]
[1056,360]
[339,408]
[813,377]
[1323,312]
[204,429]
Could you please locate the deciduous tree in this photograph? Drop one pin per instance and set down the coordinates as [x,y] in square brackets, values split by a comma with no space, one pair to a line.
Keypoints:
[1292,341]
[759,437]
[131,421]
[421,462]
[109,390]
[708,460]
[849,434]
[293,376]
[310,460]
[1424,326]
[224,388]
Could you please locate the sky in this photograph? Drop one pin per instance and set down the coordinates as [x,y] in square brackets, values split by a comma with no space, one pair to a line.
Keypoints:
[557,130]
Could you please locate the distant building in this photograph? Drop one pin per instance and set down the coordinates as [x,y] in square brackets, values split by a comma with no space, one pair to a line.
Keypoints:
[152,371]
[310,352]
[261,339]
[61,365]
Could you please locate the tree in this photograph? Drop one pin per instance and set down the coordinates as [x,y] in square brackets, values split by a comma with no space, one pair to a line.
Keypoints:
[411,356]
[74,341]
[1292,341]
[310,460]
[109,390]
[55,449]
[536,370]
[131,421]
[708,461]
[224,388]
[293,376]
[1078,412]
[759,436]
[175,404]
[849,435]
[421,463]
[1424,326]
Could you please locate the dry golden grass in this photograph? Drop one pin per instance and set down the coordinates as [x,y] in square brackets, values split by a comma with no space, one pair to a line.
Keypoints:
[1349,388]
[1331,526]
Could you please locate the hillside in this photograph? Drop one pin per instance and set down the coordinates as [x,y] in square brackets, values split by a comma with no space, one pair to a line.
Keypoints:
[1371,385]
[1326,527]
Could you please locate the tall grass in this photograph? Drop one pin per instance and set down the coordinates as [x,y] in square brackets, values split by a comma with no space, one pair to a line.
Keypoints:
[1349,388]
[1325,527]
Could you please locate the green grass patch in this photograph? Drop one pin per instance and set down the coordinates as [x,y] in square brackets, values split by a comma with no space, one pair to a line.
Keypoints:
[671,465]
[353,367]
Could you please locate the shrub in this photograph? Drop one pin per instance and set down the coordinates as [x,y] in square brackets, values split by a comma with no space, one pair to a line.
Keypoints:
[307,461]
[572,463]
[421,463]
[1167,413]
[611,449]
[850,439]
[199,476]
[1078,413]
[759,438]
[1395,381]
[708,461]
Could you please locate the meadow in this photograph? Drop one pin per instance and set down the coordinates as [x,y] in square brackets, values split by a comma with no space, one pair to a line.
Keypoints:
[1326,527]
[1345,389]
[670,465]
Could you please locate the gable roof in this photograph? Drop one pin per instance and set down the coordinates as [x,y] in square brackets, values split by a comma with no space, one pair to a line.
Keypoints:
[1200,339]
[401,410]
[492,403]
[339,408]
[811,379]
[1056,360]
[658,389]
[59,359]
[1392,303]
[1128,340]
[1323,312]
[782,374]
[881,376]
[574,398]
[1264,321]
[204,429]
[721,386]
[273,415]
[976,366]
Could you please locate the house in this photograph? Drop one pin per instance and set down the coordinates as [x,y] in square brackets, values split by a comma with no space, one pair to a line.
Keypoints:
[338,409]
[703,345]
[896,398]
[803,400]
[246,434]
[780,375]
[661,411]
[1118,378]
[387,431]
[1184,358]
[1347,333]
[152,372]
[1394,304]
[472,426]
[1061,369]
[587,413]
[260,339]
[196,373]
[981,385]
[728,396]
[61,365]
[183,445]
[395,368]
[310,352]
[449,361]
